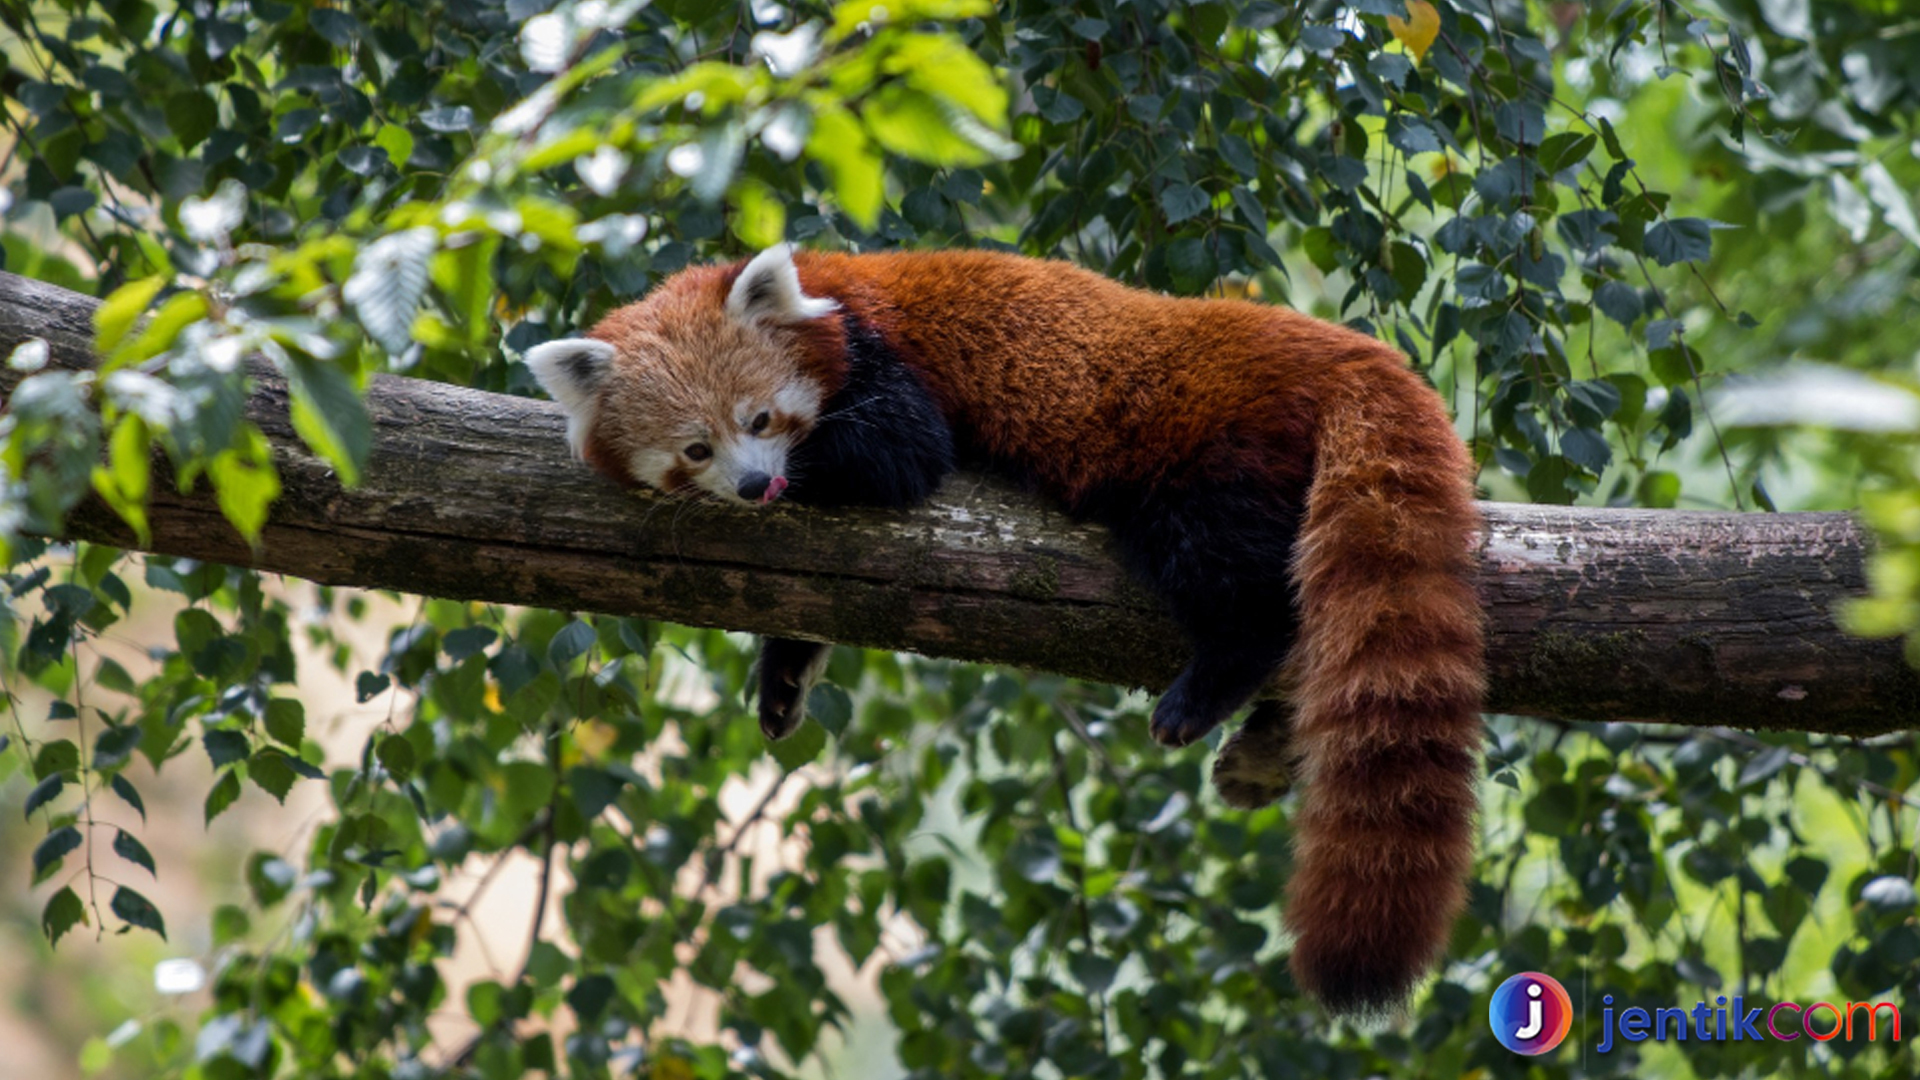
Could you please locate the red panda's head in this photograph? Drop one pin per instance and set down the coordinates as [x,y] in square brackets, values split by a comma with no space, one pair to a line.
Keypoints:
[705,386]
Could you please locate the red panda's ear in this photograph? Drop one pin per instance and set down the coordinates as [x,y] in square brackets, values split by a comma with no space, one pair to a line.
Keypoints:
[571,371]
[768,290]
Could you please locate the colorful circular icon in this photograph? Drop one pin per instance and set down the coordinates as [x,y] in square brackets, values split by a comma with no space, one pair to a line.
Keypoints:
[1531,1013]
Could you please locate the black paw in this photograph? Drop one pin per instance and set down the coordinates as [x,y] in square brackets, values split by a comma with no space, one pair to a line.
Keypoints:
[1247,794]
[1179,720]
[788,669]
[783,707]
[1255,767]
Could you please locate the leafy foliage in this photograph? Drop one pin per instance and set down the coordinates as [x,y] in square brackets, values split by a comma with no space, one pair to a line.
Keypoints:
[1562,214]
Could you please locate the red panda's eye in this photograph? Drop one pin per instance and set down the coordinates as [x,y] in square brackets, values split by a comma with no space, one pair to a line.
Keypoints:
[698,452]
[760,423]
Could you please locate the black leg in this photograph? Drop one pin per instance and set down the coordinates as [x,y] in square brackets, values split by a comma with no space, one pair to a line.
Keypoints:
[1218,554]
[788,669]
[1231,662]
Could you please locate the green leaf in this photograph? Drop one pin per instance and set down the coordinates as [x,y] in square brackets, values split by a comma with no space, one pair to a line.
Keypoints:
[118,312]
[1190,262]
[1680,240]
[224,792]
[1890,195]
[593,789]
[330,417]
[57,845]
[63,912]
[272,773]
[231,924]
[830,706]
[1036,856]
[225,747]
[122,787]
[943,66]
[715,85]
[1565,150]
[840,145]
[389,279]
[397,757]
[527,786]
[464,276]
[124,481]
[1592,401]
[1547,481]
[546,964]
[44,792]
[803,747]
[1321,248]
[574,639]
[138,911]
[917,125]
[485,1003]
[589,996]
[245,483]
[286,721]
[397,141]
[56,756]
[1409,134]
[1695,970]
[467,641]
[132,850]
[1674,364]
[1183,201]
[1612,140]
[338,27]
[269,878]
[1660,490]
[194,630]
[1585,448]
[1619,302]
[1094,972]
[180,311]
[370,685]
[759,217]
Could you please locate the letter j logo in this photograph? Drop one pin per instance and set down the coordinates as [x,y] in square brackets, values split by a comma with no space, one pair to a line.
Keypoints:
[1531,1013]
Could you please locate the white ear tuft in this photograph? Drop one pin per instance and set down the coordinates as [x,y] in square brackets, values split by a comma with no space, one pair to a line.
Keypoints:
[571,371]
[768,290]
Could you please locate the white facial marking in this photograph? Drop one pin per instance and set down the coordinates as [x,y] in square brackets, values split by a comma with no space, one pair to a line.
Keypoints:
[650,467]
[798,399]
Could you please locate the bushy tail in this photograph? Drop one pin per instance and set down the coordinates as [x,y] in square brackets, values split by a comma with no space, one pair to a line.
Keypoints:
[1388,676]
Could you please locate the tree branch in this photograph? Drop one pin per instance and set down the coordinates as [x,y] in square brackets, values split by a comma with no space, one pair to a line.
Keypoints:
[1679,617]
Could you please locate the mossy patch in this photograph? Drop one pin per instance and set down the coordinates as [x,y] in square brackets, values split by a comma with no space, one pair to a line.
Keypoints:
[1041,581]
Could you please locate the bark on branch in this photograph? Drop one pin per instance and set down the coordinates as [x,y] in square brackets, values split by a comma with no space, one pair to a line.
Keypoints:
[1676,617]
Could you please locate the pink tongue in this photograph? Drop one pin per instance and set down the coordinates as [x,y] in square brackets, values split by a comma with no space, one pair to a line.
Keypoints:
[774,487]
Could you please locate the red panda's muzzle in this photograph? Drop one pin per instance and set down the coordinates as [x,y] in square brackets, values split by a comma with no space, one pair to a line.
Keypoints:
[761,488]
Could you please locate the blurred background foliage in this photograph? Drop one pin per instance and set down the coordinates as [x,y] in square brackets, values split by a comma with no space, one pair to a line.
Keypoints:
[1655,253]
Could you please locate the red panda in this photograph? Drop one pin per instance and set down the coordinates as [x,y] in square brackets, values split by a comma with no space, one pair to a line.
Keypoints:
[1294,494]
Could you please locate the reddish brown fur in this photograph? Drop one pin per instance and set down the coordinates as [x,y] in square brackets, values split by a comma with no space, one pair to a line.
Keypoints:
[1079,382]
[1082,381]
[1388,681]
